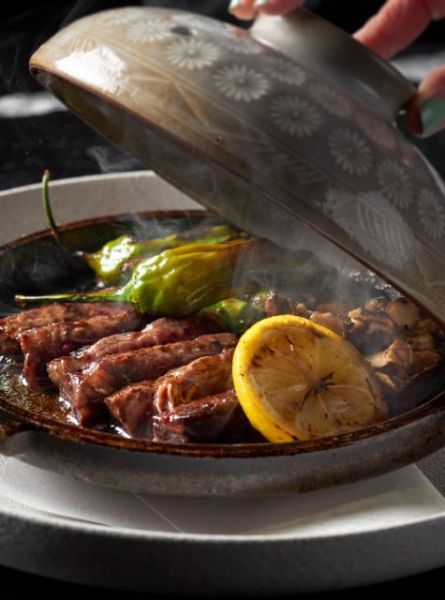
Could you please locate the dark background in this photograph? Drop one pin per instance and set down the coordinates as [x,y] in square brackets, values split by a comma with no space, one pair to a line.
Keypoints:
[14,582]
[55,139]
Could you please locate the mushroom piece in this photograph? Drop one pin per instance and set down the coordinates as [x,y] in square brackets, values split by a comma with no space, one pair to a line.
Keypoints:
[390,383]
[424,361]
[338,308]
[402,313]
[420,331]
[278,304]
[398,364]
[420,341]
[393,361]
[371,331]
[424,334]
[330,320]
[376,304]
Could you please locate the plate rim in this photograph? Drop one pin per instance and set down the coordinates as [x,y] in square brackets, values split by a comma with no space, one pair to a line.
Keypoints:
[42,518]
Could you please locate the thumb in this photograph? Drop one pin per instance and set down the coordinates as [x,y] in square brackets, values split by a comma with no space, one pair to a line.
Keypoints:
[249,9]
[426,112]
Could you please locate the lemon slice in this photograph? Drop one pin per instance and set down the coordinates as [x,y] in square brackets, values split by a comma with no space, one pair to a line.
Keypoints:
[299,380]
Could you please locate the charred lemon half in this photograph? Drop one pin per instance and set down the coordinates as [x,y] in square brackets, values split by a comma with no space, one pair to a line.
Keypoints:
[297,380]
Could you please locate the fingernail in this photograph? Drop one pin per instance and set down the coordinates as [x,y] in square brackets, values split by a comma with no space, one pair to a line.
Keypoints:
[432,115]
[260,3]
[234,4]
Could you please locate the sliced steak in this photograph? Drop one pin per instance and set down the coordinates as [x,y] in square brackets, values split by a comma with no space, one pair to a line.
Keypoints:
[200,420]
[43,344]
[9,345]
[133,406]
[202,377]
[11,327]
[87,390]
[161,331]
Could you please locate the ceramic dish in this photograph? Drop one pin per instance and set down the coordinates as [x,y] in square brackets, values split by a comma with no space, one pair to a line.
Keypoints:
[50,442]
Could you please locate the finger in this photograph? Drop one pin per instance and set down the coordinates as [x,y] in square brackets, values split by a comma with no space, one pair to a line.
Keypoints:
[248,9]
[243,9]
[398,23]
[277,7]
[426,113]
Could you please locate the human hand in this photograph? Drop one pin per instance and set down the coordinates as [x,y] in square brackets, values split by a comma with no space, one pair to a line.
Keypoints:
[395,26]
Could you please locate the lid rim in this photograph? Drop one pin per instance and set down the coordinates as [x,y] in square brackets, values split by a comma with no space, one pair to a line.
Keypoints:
[369,77]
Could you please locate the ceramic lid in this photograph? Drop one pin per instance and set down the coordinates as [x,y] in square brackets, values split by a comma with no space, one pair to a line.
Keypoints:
[291,121]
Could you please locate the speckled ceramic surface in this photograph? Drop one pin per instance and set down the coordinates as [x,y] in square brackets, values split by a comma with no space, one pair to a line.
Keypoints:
[292,120]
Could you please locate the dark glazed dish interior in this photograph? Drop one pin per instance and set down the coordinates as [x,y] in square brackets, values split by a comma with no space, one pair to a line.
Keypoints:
[36,264]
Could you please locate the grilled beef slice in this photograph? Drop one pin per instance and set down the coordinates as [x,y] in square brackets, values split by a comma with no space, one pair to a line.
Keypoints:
[199,420]
[87,390]
[134,405]
[9,346]
[202,377]
[161,331]
[42,344]
[11,327]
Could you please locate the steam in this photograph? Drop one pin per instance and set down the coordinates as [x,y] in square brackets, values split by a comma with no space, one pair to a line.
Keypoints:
[112,160]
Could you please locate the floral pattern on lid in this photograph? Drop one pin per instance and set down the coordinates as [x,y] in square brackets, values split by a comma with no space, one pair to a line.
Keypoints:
[377,131]
[191,53]
[150,31]
[395,183]
[240,83]
[431,215]
[350,151]
[295,115]
[331,100]
[244,44]
[284,70]
[381,233]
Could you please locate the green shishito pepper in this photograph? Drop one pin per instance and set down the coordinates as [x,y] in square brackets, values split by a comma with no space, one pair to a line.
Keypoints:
[233,314]
[109,262]
[237,315]
[114,262]
[175,282]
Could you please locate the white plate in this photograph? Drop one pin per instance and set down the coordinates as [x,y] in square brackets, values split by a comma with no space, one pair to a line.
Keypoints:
[85,197]
[379,529]
[384,528]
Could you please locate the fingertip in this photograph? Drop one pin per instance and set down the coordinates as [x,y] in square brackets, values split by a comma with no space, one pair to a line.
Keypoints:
[426,113]
[395,25]
[277,7]
[248,9]
[432,115]
[242,9]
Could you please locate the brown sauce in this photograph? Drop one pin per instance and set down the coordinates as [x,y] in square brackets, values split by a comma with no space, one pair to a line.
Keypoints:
[40,404]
